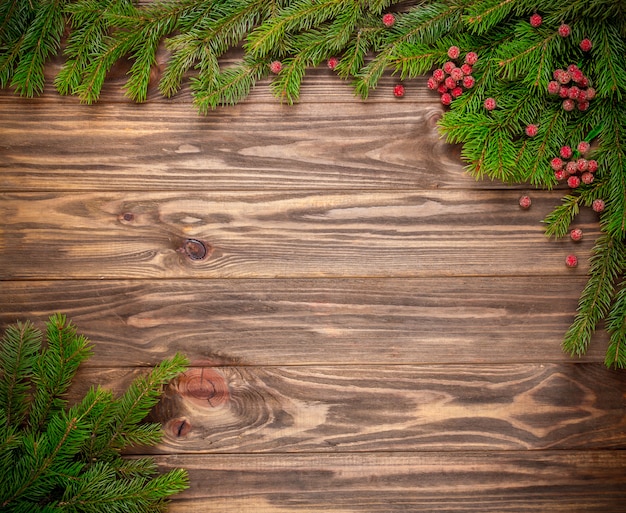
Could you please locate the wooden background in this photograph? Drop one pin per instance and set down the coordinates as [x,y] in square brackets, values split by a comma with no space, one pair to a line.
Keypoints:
[371,329]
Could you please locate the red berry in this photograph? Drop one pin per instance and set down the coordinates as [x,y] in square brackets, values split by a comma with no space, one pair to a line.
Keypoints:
[576,234]
[448,67]
[398,91]
[471,58]
[525,202]
[573,182]
[456,92]
[531,130]
[332,62]
[276,66]
[571,68]
[564,92]
[590,93]
[442,89]
[584,105]
[582,165]
[573,93]
[583,147]
[560,174]
[566,152]
[466,69]
[571,261]
[450,83]
[431,83]
[564,77]
[535,20]
[587,178]
[439,75]
[556,73]
[564,30]
[389,19]
[577,75]
[468,81]
[592,166]
[598,205]
[583,82]
[554,87]
[490,104]
[454,52]
[446,98]
[586,45]
[569,105]
[457,74]
[556,163]
[570,168]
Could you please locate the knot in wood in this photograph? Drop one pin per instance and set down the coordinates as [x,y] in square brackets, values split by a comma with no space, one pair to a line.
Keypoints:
[195,249]
[204,387]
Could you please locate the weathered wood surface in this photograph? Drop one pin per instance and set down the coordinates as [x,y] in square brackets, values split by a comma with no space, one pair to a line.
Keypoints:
[279,235]
[312,321]
[355,408]
[496,482]
[372,330]
[248,147]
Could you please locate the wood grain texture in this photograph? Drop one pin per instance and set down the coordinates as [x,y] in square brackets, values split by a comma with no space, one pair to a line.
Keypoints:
[386,408]
[496,482]
[280,235]
[313,321]
[247,147]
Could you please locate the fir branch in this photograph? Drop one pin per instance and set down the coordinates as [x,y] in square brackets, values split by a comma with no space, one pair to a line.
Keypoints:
[559,220]
[230,87]
[616,326]
[90,22]
[482,16]
[141,396]
[208,39]
[607,263]
[42,39]
[55,369]
[299,15]
[19,349]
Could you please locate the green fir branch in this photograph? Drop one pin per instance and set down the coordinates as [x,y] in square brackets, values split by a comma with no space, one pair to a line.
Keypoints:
[51,466]
[41,40]
[616,326]
[230,87]
[607,263]
[21,344]
[559,220]
[54,370]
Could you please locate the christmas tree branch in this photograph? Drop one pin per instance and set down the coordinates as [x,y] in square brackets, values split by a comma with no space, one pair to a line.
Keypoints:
[616,326]
[606,265]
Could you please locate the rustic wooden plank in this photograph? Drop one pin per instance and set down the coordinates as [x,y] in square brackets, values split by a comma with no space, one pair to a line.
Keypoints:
[500,482]
[318,321]
[385,408]
[113,147]
[272,235]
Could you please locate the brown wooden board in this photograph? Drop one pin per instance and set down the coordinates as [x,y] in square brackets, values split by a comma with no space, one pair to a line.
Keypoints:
[312,321]
[281,234]
[496,482]
[247,147]
[352,408]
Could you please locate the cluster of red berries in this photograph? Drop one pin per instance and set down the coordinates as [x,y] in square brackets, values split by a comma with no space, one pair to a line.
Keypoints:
[573,87]
[564,30]
[575,170]
[451,80]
